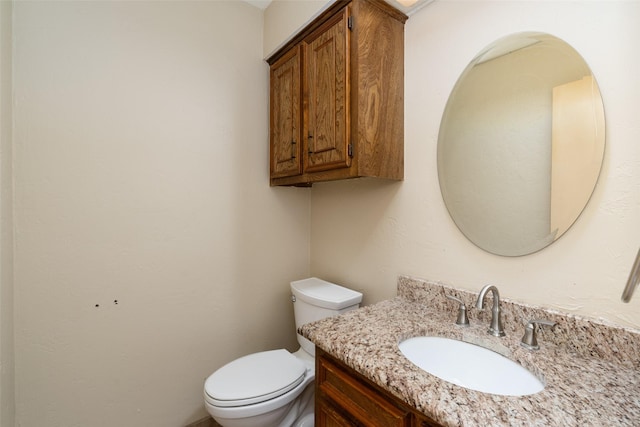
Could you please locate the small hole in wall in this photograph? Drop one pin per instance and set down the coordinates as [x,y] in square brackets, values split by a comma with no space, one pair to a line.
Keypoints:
[115,301]
[97,305]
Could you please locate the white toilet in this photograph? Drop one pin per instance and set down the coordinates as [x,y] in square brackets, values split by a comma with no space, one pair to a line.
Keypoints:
[275,388]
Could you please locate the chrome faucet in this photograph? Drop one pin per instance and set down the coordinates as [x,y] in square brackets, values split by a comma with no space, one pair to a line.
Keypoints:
[495,328]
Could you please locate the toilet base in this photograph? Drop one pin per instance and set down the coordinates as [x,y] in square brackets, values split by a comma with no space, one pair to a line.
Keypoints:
[307,419]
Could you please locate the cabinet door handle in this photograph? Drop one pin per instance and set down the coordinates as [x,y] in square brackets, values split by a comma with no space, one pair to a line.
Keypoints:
[293,150]
[310,138]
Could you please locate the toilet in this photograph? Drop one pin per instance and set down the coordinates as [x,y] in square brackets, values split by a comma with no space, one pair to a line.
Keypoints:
[275,388]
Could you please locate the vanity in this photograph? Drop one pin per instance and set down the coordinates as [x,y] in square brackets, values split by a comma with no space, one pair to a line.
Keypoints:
[346,398]
[590,370]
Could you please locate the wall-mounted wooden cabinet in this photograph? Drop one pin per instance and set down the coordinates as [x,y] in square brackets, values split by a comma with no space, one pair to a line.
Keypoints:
[345,398]
[337,97]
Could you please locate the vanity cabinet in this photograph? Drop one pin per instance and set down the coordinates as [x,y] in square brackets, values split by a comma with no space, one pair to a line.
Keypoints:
[345,398]
[337,97]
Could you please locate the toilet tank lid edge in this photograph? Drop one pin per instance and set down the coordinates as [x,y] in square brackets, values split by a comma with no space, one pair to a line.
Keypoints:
[325,294]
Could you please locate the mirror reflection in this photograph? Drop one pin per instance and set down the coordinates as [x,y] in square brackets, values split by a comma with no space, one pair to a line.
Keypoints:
[521,144]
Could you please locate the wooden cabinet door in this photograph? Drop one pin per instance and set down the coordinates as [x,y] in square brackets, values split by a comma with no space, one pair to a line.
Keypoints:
[286,123]
[346,400]
[327,95]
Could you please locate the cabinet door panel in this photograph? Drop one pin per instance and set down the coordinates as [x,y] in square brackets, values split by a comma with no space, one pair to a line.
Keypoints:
[327,84]
[327,416]
[365,406]
[286,131]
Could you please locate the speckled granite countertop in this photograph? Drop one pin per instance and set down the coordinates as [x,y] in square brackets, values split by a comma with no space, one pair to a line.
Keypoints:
[591,370]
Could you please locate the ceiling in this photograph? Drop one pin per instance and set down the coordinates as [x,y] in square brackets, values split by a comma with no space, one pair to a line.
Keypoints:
[406,6]
[261,4]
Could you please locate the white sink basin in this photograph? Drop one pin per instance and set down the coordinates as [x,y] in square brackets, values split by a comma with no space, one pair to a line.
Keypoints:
[470,366]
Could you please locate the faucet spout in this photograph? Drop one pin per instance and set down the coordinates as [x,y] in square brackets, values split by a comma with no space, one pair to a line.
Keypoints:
[495,328]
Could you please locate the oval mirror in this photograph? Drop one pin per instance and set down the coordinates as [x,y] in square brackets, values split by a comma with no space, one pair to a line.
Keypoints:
[521,144]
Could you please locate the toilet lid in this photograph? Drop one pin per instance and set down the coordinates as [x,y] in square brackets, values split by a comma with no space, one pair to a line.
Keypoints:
[254,378]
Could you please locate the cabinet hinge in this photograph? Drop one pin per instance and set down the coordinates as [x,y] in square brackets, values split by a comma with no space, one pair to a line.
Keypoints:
[350,22]
[350,150]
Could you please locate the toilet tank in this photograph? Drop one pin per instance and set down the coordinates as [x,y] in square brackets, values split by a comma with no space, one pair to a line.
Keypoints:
[315,299]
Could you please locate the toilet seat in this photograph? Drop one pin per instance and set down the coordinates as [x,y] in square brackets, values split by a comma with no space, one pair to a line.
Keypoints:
[255,378]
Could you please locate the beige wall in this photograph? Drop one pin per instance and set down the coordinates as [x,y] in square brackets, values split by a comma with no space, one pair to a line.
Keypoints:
[365,233]
[7,397]
[283,18]
[141,175]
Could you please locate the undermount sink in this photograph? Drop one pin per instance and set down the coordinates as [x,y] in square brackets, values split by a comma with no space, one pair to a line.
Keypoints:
[470,366]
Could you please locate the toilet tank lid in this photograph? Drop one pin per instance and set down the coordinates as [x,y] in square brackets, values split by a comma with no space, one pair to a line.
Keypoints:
[325,294]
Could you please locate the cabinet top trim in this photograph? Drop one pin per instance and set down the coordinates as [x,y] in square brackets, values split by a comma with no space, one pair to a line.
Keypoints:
[330,11]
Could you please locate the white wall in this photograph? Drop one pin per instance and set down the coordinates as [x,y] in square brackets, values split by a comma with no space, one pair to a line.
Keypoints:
[141,175]
[365,233]
[7,401]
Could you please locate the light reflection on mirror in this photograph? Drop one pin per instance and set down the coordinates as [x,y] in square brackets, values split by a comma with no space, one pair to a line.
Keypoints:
[521,144]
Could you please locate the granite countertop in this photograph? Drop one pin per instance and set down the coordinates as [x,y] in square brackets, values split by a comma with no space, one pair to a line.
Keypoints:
[591,370]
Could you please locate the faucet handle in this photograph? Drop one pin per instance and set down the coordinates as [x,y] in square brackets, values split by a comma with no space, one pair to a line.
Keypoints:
[462,319]
[529,340]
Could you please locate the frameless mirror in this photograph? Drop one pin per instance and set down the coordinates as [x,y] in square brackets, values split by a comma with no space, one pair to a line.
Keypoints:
[521,144]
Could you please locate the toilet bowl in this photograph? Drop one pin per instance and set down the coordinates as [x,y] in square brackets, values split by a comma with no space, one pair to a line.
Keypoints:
[275,388]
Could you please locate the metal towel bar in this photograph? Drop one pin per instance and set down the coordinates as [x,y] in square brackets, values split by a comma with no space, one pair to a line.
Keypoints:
[634,279]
